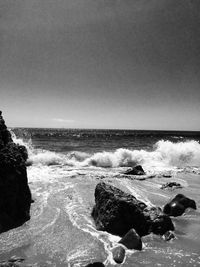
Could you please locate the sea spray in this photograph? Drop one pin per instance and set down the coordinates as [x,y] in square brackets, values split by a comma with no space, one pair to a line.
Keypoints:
[39,156]
[179,154]
[63,174]
[164,155]
[20,141]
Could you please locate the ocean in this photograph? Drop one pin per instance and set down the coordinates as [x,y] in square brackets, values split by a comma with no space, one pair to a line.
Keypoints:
[64,167]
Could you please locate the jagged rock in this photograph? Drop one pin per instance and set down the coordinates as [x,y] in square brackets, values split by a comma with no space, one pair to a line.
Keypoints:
[118,254]
[171,185]
[137,170]
[117,212]
[178,205]
[5,136]
[132,240]
[95,264]
[15,196]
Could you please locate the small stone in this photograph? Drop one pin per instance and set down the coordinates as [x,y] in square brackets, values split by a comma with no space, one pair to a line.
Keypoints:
[132,240]
[95,264]
[168,236]
[15,259]
[167,175]
[118,254]
[171,185]
[137,170]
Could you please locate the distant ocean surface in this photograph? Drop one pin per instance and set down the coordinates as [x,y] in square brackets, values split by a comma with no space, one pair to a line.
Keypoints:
[64,167]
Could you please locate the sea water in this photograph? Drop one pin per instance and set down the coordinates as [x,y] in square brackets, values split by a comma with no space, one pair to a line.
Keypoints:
[64,167]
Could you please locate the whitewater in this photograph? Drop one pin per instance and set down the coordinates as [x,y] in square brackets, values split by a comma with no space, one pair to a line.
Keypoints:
[64,167]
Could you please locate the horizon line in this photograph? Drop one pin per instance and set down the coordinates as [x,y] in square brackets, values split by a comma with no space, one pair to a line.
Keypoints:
[108,129]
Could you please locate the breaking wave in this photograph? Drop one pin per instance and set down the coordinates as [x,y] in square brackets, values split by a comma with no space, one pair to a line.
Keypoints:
[164,154]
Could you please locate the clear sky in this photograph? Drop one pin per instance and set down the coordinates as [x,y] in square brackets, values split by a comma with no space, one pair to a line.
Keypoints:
[132,64]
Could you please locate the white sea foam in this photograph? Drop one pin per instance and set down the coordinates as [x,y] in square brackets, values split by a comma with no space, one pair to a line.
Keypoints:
[166,154]
[179,154]
[45,157]
[21,142]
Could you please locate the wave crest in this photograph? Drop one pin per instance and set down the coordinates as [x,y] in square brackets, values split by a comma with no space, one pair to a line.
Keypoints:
[179,154]
[164,154]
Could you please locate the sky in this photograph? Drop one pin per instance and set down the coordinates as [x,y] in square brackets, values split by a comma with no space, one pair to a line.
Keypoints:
[116,64]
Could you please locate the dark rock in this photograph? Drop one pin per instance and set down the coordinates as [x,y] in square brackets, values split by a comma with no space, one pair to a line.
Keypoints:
[132,240]
[178,205]
[14,261]
[117,212]
[95,264]
[168,236]
[137,170]
[167,175]
[171,185]
[159,222]
[118,254]
[15,196]
[5,136]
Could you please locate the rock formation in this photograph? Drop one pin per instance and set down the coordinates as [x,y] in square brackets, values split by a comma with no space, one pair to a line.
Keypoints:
[15,196]
[178,205]
[117,212]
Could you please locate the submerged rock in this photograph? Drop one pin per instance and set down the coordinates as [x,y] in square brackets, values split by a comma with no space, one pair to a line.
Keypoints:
[132,240]
[169,235]
[171,185]
[15,196]
[178,205]
[117,212]
[118,254]
[14,261]
[137,170]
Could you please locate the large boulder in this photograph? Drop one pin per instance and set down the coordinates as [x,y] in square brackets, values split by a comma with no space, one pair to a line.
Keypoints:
[178,205]
[15,196]
[117,212]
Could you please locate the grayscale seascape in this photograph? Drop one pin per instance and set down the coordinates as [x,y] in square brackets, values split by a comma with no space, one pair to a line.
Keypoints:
[64,168]
[99,133]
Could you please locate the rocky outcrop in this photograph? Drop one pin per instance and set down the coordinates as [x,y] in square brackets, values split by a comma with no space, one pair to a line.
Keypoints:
[178,205]
[171,185]
[117,212]
[15,196]
[137,170]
